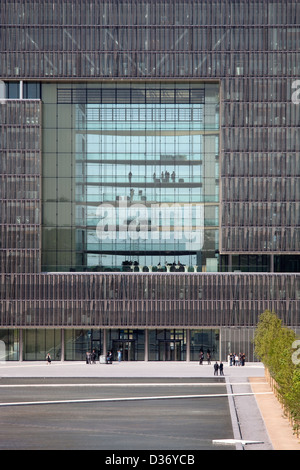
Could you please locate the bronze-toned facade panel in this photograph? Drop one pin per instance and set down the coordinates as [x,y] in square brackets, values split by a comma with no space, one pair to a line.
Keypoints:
[148,39]
[150,300]
[20,182]
[149,287]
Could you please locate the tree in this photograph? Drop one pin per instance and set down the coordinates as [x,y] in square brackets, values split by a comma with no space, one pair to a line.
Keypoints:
[274,347]
[266,331]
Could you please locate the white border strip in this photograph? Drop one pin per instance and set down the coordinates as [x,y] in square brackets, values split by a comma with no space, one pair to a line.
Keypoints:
[123,384]
[103,400]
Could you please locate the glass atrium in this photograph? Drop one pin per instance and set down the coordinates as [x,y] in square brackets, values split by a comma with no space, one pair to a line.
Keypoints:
[131,177]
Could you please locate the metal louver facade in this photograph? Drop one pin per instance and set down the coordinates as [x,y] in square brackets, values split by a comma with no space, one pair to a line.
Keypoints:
[69,65]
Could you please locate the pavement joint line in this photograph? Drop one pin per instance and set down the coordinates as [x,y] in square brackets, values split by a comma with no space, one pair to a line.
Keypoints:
[121,399]
[145,384]
[123,363]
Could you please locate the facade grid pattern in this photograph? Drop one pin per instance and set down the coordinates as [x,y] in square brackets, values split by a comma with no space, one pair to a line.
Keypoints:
[20,173]
[251,49]
[147,300]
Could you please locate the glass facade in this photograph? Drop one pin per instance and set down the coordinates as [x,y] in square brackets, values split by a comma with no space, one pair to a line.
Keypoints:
[130,176]
[9,345]
[79,342]
[130,342]
[134,344]
[37,343]
[207,342]
[167,345]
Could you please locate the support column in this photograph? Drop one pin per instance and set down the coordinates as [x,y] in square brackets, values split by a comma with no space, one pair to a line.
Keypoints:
[272,263]
[104,343]
[21,345]
[230,263]
[146,346]
[21,92]
[62,355]
[188,345]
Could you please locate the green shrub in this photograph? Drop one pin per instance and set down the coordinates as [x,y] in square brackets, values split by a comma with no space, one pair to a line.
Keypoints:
[273,346]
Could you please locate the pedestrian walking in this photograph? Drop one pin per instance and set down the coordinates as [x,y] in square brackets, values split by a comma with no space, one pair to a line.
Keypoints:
[216,368]
[88,358]
[48,359]
[208,356]
[109,357]
[243,360]
[221,368]
[119,355]
[201,357]
[93,356]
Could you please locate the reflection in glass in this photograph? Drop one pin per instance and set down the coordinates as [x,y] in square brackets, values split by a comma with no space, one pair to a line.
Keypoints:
[143,178]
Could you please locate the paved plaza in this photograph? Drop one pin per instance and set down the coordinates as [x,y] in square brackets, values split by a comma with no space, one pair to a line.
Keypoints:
[130,405]
[124,369]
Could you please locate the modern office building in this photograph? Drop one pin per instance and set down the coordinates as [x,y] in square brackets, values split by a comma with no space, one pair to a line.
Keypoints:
[150,176]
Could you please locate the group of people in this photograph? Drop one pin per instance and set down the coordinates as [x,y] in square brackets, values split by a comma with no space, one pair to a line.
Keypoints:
[109,356]
[218,367]
[91,357]
[165,176]
[201,357]
[237,359]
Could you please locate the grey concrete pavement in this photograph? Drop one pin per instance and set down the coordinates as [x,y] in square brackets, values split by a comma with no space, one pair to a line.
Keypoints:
[246,419]
[113,414]
[124,369]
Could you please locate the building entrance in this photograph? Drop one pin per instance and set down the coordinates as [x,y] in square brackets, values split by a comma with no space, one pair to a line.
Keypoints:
[169,350]
[167,345]
[127,348]
[96,342]
[205,341]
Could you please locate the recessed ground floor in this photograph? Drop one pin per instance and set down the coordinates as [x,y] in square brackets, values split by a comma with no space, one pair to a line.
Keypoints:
[178,344]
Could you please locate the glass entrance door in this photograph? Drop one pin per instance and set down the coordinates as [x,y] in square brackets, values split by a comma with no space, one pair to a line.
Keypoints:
[127,348]
[207,341]
[169,350]
[96,343]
